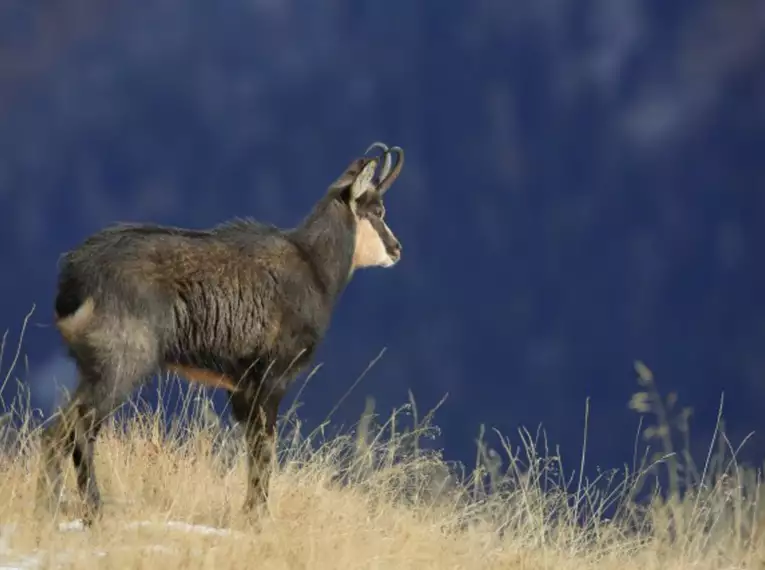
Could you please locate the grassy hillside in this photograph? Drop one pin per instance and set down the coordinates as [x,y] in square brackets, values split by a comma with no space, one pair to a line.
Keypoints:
[372,497]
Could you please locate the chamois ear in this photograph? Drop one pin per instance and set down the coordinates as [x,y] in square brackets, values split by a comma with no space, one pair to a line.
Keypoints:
[363,181]
[356,179]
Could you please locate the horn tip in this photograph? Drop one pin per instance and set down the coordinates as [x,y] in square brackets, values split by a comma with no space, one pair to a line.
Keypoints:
[377,144]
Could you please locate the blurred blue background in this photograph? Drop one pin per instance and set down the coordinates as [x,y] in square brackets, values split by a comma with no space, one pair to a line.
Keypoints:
[584,187]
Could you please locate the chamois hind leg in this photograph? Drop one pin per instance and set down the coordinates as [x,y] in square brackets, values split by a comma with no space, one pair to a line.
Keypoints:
[57,441]
[108,375]
[258,412]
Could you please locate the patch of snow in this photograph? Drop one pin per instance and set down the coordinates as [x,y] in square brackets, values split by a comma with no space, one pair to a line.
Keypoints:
[160,548]
[21,563]
[185,527]
[72,526]
[10,560]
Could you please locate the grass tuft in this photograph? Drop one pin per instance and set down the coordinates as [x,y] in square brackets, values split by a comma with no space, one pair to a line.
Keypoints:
[375,495]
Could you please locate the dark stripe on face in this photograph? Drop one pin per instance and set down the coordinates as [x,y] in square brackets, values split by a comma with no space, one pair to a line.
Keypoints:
[390,242]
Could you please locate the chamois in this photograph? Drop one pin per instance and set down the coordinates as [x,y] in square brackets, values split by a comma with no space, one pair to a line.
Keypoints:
[240,306]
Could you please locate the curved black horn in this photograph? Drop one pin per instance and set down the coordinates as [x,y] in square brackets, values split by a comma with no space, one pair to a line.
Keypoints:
[389,179]
[388,159]
[380,145]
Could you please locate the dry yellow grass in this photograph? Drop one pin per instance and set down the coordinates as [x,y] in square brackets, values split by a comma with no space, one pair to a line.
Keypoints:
[371,498]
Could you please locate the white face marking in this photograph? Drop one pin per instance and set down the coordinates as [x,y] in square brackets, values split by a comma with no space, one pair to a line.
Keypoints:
[370,250]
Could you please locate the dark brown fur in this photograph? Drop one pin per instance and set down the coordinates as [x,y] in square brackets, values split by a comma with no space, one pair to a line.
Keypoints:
[241,306]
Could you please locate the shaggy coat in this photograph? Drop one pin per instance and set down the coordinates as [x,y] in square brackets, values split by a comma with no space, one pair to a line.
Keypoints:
[241,306]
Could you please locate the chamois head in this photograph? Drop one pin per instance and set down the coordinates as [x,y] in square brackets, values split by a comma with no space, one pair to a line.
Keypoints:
[376,245]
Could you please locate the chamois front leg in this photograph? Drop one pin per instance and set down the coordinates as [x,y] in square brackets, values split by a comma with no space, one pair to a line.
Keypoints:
[258,414]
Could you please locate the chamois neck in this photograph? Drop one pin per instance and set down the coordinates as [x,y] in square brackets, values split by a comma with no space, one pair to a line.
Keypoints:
[328,236]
